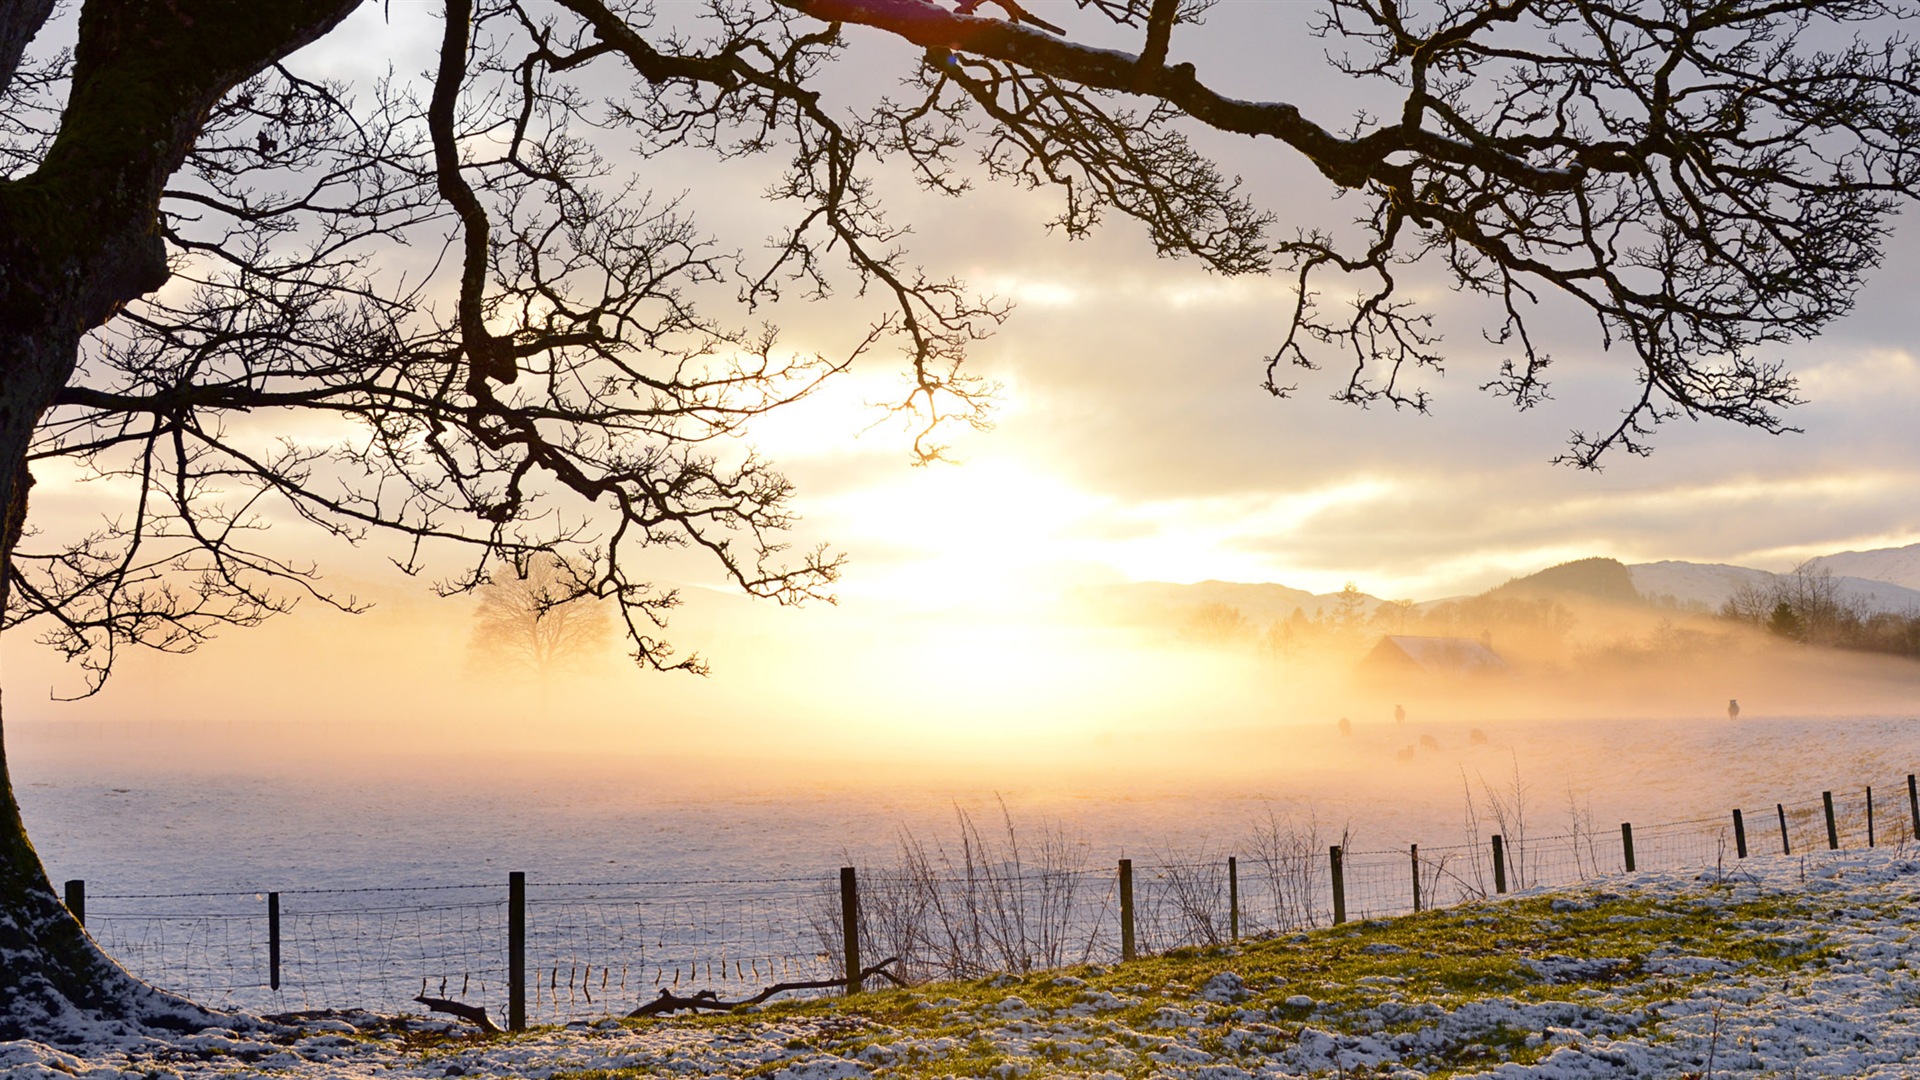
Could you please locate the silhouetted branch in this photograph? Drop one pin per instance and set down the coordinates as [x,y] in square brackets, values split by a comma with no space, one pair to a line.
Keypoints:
[498,338]
[476,1014]
[669,1002]
[1705,181]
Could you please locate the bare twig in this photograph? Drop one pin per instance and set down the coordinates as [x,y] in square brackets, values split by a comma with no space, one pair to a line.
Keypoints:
[476,1014]
[669,1002]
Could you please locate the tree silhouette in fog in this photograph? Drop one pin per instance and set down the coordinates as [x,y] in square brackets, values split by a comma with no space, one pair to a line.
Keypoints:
[538,619]
[1216,624]
[1786,623]
[469,311]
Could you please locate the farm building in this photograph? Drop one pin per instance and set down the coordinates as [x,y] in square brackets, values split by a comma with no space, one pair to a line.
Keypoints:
[1400,656]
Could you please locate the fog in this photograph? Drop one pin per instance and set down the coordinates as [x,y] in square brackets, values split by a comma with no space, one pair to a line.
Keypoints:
[1064,697]
[327,750]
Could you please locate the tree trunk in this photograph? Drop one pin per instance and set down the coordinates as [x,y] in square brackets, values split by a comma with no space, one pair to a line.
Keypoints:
[56,985]
[79,239]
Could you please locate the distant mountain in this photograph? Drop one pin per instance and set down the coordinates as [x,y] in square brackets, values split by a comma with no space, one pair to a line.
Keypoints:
[1710,584]
[1159,599]
[1883,580]
[1900,566]
[1694,583]
[1595,579]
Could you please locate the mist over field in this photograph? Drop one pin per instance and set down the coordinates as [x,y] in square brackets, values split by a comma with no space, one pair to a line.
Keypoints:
[1145,686]
[410,751]
[1143,719]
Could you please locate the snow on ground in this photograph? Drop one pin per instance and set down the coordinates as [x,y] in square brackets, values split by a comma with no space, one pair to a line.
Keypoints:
[1830,988]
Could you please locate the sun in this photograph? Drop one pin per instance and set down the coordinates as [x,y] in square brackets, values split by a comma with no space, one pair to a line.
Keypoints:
[986,536]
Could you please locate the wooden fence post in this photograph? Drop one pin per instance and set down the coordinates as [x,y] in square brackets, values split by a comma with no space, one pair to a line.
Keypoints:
[1913,803]
[77,900]
[1833,830]
[1739,835]
[516,951]
[1414,852]
[1869,815]
[1334,863]
[1233,898]
[1786,845]
[850,926]
[273,941]
[1626,844]
[1499,864]
[1126,910]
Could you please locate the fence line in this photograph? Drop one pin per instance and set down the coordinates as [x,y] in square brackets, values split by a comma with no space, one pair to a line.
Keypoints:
[558,951]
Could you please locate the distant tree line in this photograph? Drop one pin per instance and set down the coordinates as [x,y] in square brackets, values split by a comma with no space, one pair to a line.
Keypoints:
[1809,606]
[1351,621]
[1806,606]
[1343,622]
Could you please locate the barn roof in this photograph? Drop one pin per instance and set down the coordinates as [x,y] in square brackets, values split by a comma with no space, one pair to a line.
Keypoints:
[1434,655]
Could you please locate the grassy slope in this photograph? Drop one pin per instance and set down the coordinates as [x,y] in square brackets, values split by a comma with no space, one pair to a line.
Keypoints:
[1441,992]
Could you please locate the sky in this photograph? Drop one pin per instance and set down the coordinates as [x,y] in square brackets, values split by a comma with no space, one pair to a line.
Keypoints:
[1131,442]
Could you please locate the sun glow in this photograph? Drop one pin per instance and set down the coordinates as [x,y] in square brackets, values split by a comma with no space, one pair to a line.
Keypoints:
[957,687]
[986,535]
[999,536]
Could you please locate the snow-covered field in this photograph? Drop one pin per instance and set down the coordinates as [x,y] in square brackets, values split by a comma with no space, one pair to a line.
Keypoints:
[1834,992]
[128,811]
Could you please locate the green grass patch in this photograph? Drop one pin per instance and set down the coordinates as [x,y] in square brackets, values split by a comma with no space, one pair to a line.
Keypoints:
[1611,955]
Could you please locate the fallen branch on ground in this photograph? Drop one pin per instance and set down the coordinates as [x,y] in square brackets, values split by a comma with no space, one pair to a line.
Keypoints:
[668,1001]
[475,1013]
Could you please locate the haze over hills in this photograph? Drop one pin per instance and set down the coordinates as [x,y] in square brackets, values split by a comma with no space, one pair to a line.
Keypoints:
[1586,638]
[1263,602]
[1710,584]
[1887,579]
[1590,637]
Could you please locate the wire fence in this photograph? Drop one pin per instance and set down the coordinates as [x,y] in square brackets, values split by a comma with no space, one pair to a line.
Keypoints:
[591,949]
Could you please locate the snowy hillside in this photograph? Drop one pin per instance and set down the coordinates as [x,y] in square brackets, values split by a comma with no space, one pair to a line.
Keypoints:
[1900,565]
[1694,583]
[1711,583]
